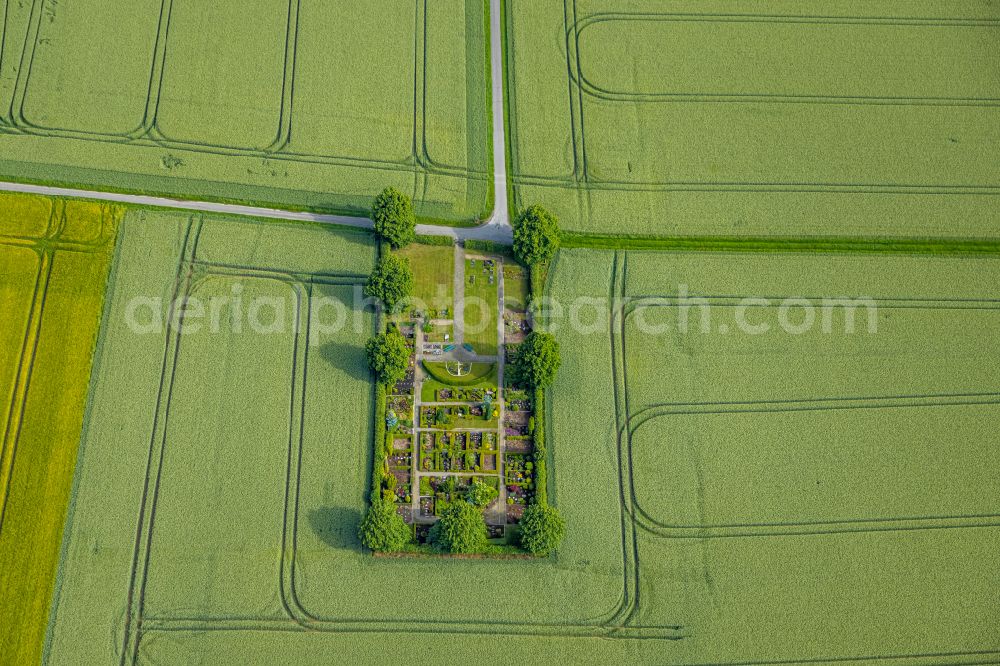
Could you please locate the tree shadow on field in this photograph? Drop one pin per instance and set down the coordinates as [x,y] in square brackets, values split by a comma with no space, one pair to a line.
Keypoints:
[348,358]
[336,526]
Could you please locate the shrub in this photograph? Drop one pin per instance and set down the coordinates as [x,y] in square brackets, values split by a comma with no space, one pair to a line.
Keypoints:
[442,417]
[538,360]
[379,463]
[542,529]
[382,529]
[388,357]
[536,236]
[391,282]
[482,494]
[461,529]
[393,216]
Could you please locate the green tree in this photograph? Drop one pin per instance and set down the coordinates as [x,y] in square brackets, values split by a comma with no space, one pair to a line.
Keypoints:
[388,357]
[538,360]
[461,529]
[393,216]
[383,529]
[542,529]
[482,494]
[536,236]
[391,282]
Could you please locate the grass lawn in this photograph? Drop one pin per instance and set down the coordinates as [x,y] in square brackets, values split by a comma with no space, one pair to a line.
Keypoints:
[516,287]
[438,333]
[51,294]
[481,304]
[433,277]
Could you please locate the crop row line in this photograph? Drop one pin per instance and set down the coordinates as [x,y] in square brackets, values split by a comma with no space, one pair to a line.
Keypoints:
[154,464]
[45,248]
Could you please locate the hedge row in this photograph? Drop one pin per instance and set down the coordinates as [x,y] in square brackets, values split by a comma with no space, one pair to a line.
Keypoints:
[380,452]
[489,247]
[541,456]
[434,240]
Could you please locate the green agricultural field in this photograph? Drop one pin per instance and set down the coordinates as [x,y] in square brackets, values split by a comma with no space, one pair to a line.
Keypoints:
[795,496]
[787,118]
[54,261]
[434,276]
[241,459]
[314,104]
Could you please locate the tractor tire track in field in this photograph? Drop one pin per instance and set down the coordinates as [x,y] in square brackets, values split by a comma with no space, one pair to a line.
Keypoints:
[579,80]
[154,464]
[807,527]
[3,41]
[633,422]
[612,626]
[22,380]
[283,131]
[626,486]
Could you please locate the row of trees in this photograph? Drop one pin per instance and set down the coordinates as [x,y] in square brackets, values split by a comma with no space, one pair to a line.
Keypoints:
[536,230]
[461,528]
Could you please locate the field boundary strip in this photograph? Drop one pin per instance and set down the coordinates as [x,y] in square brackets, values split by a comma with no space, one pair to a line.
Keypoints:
[148,135]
